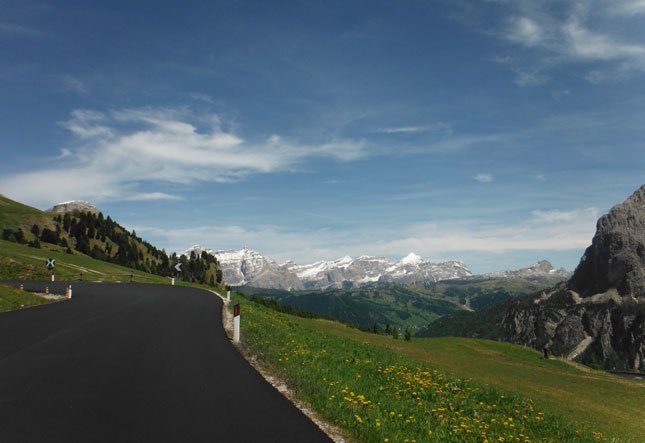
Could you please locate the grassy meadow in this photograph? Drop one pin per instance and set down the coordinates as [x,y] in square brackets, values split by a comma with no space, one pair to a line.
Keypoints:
[382,390]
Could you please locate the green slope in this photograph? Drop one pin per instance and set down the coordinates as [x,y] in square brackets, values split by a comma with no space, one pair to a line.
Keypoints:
[16,215]
[312,355]
[19,262]
[606,402]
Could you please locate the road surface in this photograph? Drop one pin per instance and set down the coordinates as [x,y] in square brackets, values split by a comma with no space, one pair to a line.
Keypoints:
[134,363]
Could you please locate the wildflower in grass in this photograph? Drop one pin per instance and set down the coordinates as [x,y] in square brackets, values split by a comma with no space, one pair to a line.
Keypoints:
[358,419]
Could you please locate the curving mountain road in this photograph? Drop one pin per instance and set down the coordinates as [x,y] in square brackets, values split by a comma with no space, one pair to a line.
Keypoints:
[134,363]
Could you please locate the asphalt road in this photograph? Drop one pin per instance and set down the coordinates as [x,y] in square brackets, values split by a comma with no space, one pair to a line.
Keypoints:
[134,363]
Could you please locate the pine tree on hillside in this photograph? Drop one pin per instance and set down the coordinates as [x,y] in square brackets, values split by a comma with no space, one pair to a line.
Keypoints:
[49,236]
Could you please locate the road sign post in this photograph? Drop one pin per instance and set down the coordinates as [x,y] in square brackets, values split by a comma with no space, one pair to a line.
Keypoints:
[236,323]
[178,269]
[51,264]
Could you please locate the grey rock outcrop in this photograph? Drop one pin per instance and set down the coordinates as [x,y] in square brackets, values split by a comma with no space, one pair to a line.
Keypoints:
[74,205]
[598,316]
[616,257]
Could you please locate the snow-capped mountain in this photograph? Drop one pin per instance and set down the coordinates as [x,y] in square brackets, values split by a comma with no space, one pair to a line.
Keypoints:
[248,267]
[369,270]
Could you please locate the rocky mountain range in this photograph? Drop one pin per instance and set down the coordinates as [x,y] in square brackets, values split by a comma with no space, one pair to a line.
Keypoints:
[598,316]
[542,271]
[539,269]
[250,268]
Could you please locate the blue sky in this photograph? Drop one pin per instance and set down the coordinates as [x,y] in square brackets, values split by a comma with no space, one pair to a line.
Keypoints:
[494,132]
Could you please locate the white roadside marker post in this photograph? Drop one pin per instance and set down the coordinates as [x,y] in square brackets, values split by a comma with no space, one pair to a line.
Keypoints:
[53,277]
[172,282]
[70,292]
[236,323]
[228,295]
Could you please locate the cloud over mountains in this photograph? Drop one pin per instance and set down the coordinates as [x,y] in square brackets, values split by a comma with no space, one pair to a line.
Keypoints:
[116,152]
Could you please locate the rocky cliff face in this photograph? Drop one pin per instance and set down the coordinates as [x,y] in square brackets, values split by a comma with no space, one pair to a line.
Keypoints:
[598,316]
[616,257]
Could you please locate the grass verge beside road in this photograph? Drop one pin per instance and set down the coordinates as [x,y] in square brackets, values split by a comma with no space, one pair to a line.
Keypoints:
[12,299]
[380,392]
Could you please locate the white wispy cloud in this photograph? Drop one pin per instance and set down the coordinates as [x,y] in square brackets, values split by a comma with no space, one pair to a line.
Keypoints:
[115,152]
[529,77]
[526,31]
[202,97]
[19,30]
[73,84]
[441,127]
[484,178]
[566,33]
[403,129]
[148,196]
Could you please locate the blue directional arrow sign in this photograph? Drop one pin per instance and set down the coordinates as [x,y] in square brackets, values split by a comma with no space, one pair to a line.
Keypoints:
[51,263]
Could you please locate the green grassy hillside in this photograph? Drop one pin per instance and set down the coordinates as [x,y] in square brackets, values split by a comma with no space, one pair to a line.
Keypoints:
[447,389]
[16,215]
[89,235]
[18,262]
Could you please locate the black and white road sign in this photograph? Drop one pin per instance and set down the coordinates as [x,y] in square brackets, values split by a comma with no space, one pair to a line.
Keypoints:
[51,263]
[178,267]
